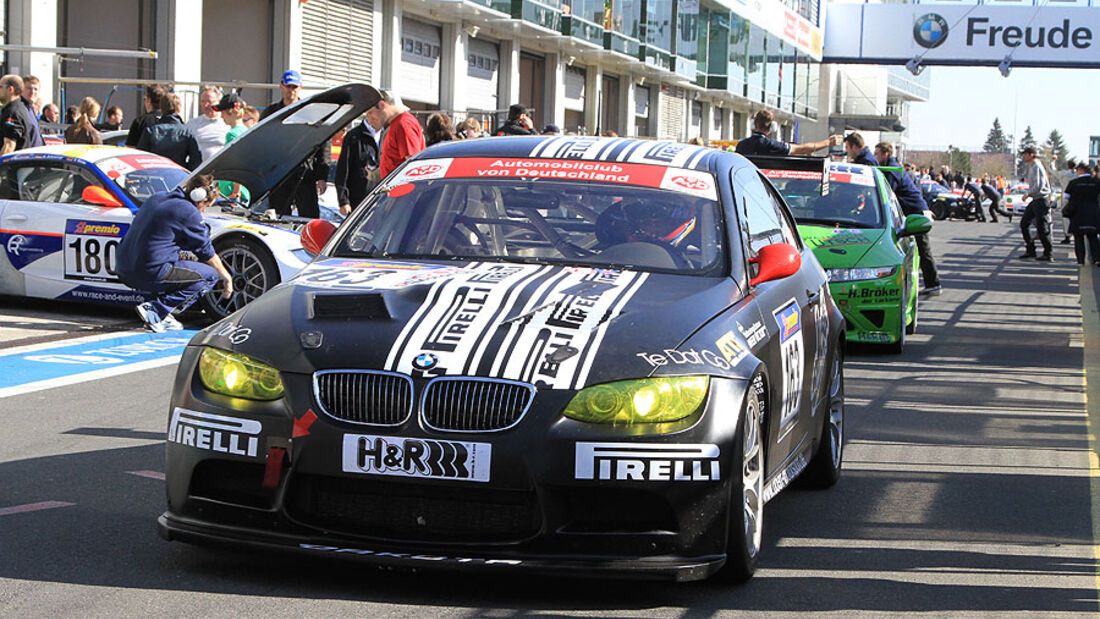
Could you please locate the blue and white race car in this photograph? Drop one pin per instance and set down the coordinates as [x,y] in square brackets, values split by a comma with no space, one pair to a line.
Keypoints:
[64,208]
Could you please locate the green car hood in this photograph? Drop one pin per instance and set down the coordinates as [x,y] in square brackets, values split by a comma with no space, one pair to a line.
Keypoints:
[841,248]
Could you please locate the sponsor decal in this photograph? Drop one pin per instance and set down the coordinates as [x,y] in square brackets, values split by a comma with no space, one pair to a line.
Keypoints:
[405,555]
[931,30]
[425,361]
[821,323]
[210,432]
[102,295]
[414,457]
[877,293]
[841,238]
[16,244]
[113,354]
[647,462]
[754,333]
[692,357]
[730,348]
[368,275]
[91,248]
[1062,36]
[234,333]
[592,148]
[692,182]
[425,170]
[793,356]
[785,477]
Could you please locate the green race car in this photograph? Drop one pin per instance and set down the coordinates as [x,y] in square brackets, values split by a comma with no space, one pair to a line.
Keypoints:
[857,232]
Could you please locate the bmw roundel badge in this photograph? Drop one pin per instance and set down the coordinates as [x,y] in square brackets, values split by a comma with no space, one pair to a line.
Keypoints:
[425,361]
[930,30]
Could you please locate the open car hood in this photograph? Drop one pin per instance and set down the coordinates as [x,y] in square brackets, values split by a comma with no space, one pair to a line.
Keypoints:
[266,153]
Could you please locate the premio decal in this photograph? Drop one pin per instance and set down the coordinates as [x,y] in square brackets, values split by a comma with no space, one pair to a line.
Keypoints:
[647,461]
[210,432]
[793,355]
[91,248]
[415,457]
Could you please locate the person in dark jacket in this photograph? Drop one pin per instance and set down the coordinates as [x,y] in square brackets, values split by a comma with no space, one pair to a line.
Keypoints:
[148,257]
[912,202]
[302,186]
[153,95]
[1081,195]
[994,202]
[761,143]
[518,123]
[357,168]
[857,150]
[975,191]
[169,137]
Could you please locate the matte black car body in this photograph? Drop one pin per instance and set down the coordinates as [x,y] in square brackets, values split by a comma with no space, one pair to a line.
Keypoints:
[558,494]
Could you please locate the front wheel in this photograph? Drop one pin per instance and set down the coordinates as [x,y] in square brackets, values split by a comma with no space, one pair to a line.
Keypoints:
[253,270]
[747,492]
[939,210]
[824,470]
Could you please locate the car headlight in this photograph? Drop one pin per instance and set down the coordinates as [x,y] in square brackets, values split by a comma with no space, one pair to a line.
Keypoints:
[851,275]
[646,400]
[239,376]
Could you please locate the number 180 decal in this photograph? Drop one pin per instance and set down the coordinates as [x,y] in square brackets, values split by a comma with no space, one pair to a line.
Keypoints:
[91,248]
[793,354]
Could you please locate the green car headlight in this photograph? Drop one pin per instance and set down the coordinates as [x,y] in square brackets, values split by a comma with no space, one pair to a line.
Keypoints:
[239,376]
[851,275]
[646,400]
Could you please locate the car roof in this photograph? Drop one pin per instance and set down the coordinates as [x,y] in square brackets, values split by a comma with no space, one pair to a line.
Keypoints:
[87,153]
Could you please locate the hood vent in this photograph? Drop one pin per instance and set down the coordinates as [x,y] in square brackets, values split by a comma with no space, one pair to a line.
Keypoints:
[355,306]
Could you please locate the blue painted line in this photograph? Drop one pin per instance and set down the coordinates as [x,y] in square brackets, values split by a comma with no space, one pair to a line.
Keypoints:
[68,360]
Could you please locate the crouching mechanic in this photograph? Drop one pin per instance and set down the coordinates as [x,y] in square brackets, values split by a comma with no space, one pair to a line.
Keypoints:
[149,255]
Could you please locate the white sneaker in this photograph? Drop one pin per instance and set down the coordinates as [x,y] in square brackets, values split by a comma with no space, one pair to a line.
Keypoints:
[171,324]
[150,317]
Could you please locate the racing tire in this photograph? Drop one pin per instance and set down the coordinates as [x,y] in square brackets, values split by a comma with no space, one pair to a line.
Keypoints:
[939,210]
[911,328]
[824,469]
[747,488]
[254,272]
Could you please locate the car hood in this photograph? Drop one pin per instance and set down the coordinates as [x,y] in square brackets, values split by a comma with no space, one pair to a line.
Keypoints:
[554,326]
[266,153]
[840,248]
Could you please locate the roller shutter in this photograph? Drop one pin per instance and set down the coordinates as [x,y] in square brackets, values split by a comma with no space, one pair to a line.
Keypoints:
[337,41]
[672,119]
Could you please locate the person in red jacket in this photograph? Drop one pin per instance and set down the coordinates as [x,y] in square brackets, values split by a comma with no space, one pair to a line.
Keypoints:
[404,136]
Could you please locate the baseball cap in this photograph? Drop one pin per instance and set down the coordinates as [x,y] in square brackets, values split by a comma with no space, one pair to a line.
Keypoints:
[1028,150]
[550,128]
[292,78]
[229,101]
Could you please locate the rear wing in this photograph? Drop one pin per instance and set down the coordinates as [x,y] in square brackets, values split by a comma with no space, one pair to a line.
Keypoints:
[809,168]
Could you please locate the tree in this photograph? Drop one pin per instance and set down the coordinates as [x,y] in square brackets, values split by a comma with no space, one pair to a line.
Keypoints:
[958,160]
[997,141]
[1054,149]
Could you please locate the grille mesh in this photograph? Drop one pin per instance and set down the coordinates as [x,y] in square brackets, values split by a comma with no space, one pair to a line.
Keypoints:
[378,398]
[475,405]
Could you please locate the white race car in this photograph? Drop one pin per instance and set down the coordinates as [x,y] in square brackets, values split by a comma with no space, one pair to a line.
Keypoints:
[65,208]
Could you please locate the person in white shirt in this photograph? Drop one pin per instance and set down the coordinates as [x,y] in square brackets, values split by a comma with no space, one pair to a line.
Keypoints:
[208,127]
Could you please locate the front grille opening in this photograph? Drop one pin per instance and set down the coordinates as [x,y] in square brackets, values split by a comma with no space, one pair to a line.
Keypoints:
[378,398]
[616,510]
[877,317]
[413,512]
[238,483]
[475,405]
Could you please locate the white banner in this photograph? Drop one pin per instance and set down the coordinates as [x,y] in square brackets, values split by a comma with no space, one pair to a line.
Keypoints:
[963,35]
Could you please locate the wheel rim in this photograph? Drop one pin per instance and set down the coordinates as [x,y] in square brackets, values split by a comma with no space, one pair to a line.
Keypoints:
[250,280]
[752,478]
[836,412]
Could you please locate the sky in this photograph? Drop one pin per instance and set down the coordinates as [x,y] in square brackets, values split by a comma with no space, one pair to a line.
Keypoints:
[964,101]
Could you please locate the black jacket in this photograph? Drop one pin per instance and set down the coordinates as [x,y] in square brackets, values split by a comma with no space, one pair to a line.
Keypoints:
[172,139]
[1083,192]
[865,157]
[909,197]
[512,127]
[358,154]
[138,127]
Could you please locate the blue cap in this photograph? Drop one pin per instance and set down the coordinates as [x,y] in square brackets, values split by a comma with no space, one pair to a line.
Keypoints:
[292,78]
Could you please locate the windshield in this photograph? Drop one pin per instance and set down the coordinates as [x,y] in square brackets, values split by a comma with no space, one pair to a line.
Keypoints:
[541,221]
[852,200]
[141,176]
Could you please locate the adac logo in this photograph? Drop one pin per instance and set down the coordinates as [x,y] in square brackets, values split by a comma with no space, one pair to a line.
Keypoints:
[930,30]
[691,183]
[423,170]
[16,243]
[425,361]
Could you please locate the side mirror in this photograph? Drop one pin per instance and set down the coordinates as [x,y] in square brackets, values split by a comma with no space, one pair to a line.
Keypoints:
[94,194]
[776,261]
[915,224]
[315,234]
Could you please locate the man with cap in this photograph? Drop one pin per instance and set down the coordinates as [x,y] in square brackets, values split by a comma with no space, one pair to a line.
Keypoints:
[518,123]
[305,182]
[207,127]
[1038,210]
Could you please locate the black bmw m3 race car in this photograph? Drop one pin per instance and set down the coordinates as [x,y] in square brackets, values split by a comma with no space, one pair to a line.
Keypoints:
[576,354]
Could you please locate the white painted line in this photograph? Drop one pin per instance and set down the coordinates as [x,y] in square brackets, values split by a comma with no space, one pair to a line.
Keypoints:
[87,376]
[149,474]
[32,507]
[18,350]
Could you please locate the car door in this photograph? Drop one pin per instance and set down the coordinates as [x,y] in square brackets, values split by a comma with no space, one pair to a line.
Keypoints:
[906,245]
[78,240]
[790,308]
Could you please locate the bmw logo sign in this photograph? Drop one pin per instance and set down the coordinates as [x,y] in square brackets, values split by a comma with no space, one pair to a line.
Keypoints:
[930,31]
[425,361]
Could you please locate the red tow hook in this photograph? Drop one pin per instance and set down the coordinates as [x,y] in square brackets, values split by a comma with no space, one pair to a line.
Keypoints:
[273,472]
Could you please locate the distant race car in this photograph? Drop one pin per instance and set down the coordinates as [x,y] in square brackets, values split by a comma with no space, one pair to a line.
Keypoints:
[65,208]
[858,233]
[575,354]
[1016,199]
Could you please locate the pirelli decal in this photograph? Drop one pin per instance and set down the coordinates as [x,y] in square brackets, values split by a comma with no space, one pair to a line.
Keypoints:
[537,324]
[593,148]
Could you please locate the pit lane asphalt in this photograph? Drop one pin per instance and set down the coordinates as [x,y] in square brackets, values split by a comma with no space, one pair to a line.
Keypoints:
[966,488]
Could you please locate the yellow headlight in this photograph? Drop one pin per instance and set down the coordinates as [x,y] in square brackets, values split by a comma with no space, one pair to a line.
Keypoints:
[646,400]
[239,376]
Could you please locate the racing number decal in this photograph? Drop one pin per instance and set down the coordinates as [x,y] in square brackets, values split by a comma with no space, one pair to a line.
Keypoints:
[793,356]
[91,248]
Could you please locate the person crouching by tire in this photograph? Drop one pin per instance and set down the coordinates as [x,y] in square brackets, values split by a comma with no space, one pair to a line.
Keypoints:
[149,260]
